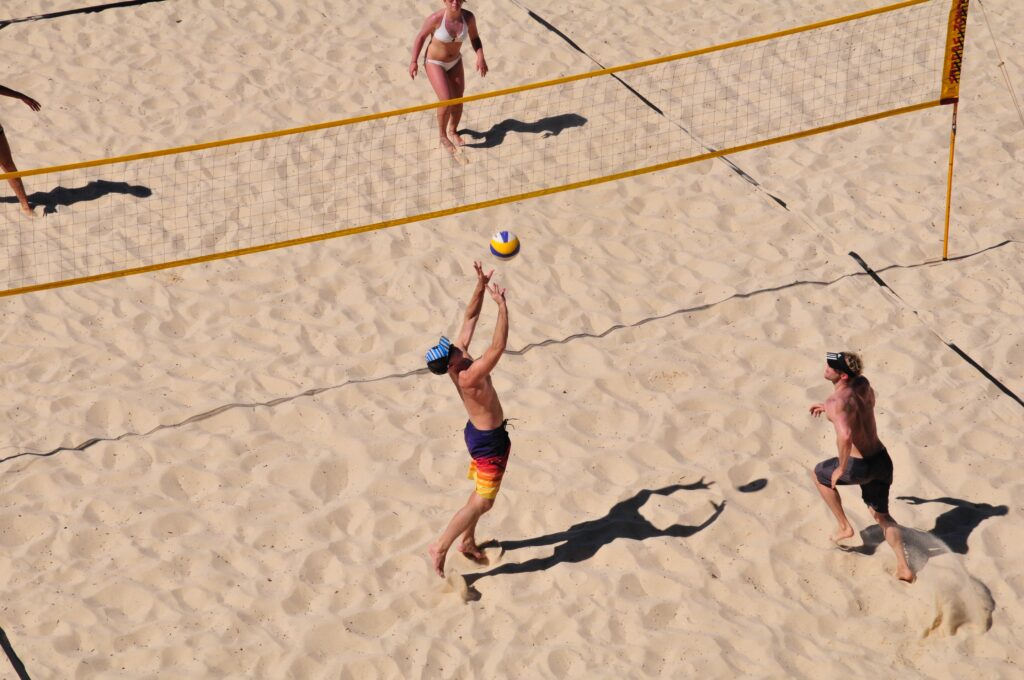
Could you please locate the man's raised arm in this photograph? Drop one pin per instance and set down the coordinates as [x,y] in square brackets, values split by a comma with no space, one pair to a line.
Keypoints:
[473,309]
[486,363]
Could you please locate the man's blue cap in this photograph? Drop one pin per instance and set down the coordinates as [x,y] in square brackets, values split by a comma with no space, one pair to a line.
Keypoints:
[437,353]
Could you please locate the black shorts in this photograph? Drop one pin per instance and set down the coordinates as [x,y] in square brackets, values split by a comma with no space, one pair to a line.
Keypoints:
[873,475]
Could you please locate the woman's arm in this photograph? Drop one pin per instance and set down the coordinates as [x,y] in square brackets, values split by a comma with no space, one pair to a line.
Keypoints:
[478,46]
[29,102]
[429,26]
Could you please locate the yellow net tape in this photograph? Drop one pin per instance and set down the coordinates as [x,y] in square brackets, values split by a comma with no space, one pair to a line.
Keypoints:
[180,206]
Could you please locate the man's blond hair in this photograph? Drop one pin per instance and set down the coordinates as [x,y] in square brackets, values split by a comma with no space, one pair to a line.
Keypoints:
[854,362]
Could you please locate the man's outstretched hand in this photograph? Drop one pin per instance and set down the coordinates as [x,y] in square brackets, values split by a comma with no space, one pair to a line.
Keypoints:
[481,278]
[497,293]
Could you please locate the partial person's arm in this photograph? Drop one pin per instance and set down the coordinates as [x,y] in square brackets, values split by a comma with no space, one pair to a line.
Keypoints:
[478,46]
[483,366]
[837,413]
[428,27]
[29,102]
[473,309]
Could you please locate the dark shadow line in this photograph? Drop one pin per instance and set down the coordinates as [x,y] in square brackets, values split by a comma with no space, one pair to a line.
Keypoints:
[19,667]
[962,354]
[760,291]
[4,23]
[584,540]
[725,159]
[540,19]
[210,414]
[991,378]
[515,352]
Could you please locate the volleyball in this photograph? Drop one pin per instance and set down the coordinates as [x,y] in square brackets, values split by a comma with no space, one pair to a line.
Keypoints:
[504,245]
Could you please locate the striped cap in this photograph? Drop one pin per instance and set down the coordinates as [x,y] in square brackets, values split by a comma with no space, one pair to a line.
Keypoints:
[440,350]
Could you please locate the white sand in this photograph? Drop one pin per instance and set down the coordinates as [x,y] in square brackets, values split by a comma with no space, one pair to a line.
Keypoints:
[674,326]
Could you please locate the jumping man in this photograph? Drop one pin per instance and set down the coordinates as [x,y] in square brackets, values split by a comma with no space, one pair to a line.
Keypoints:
[863,459]
[485,434]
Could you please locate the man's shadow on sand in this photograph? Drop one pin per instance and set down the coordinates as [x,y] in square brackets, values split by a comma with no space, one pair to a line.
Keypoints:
[582,541]
[95,189]
[950,533]
[548,127]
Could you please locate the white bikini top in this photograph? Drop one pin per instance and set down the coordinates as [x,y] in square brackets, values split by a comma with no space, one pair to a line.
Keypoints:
[442,34]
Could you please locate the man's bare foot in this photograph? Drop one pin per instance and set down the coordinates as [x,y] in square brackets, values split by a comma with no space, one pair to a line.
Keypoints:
[842,533]
[437,559]
[447,145]
[471,550]
[906,574]
[455,137]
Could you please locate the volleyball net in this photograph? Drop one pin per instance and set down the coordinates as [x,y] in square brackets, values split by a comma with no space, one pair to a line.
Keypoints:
[180,206]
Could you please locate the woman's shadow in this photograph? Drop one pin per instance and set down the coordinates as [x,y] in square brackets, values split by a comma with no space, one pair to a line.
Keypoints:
[92,191]
[582,541]
[548,127]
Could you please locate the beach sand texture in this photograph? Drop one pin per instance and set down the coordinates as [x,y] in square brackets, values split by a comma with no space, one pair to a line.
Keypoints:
[233,469]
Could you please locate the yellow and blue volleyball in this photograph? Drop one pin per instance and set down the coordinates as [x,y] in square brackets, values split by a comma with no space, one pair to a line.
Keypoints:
[504,245]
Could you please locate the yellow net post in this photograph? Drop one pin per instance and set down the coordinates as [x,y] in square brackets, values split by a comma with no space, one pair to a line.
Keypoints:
[955,36]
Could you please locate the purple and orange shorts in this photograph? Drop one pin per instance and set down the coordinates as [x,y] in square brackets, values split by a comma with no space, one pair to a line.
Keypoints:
[489,450]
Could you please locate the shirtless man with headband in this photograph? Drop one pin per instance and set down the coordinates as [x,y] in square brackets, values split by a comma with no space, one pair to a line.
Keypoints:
[863,459]
[485,434]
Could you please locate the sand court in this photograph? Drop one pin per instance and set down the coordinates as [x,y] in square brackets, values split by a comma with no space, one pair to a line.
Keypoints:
[666,334]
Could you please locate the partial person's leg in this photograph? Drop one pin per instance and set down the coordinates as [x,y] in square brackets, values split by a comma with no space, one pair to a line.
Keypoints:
[832,500]
[457,86]
[894,538]
[438,78]
[466,517]
[7,163]
[467,541]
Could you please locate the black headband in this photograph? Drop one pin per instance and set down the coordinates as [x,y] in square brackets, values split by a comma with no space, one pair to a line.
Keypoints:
[837,360]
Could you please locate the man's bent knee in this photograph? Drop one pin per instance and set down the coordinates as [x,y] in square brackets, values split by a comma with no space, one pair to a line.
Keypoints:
[482,504]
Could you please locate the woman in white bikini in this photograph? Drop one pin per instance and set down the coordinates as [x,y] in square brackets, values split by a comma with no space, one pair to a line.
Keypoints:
[447,30]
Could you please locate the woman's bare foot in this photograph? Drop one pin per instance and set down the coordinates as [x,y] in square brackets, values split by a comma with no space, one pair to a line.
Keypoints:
[437,559]
[28,210]
[455,137]
[471,550]
[447,145]
[842,533]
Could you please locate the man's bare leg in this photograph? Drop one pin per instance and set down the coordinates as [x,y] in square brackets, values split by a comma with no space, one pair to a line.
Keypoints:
[891,531]
[7,163]
[466,517]
[467,541]
[835,504]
